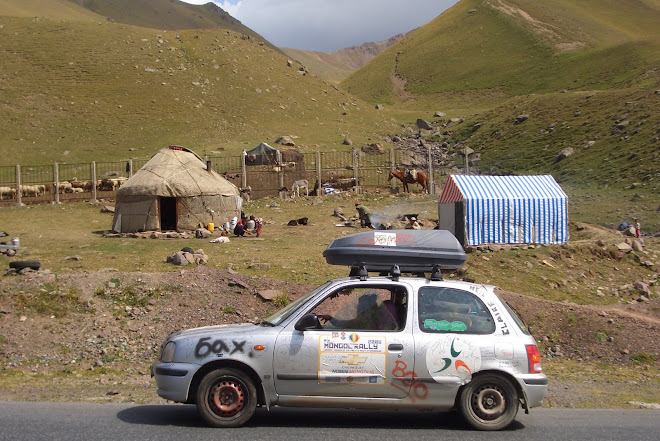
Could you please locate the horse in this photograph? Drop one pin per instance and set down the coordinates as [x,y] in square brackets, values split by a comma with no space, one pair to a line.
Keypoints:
[406,179]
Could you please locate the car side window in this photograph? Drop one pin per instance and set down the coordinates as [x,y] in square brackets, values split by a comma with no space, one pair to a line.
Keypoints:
[451,310]
[366,308]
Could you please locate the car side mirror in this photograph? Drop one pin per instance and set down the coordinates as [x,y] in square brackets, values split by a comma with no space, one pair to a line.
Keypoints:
[308,321]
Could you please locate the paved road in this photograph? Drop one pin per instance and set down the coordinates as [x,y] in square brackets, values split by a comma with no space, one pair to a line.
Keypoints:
[81,421]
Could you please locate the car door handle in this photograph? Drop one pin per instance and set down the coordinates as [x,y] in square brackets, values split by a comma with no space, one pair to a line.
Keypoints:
[395,347]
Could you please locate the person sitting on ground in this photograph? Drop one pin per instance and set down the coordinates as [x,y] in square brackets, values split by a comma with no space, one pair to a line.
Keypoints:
[365,216]
[413,224]
[239,229]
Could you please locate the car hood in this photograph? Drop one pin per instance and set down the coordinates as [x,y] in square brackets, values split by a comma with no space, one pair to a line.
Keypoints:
[214,330]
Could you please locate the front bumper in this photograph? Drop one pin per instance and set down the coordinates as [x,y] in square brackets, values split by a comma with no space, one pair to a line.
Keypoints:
[173,379]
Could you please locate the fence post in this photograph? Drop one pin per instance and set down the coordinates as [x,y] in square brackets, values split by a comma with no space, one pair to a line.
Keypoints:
[356,175]
[431,182]
[244,170]
[280,166]
[94,181]
[392,164]
[56,183]
[19,203]
[319,191]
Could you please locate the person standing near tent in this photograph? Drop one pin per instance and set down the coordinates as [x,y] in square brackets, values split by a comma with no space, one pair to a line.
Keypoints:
[365,215]
[638,228]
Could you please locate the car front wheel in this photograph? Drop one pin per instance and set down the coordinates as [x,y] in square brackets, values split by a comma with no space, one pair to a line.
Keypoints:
[226,398]
[489,402]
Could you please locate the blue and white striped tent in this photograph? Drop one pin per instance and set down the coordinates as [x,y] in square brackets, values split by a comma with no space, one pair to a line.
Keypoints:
[504,209]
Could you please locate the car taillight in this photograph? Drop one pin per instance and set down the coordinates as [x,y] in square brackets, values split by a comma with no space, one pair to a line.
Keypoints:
[533,359]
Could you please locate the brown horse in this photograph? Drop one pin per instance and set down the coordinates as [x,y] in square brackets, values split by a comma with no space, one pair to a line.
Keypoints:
[406,179]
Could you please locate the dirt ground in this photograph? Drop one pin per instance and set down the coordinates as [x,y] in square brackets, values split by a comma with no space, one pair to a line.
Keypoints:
[100,348]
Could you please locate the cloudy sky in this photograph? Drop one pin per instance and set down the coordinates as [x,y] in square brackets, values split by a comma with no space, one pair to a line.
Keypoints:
[328,25]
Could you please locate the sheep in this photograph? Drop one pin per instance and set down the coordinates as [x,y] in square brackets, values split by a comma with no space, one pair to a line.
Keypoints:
[65,187]
[29,190]
[7,193]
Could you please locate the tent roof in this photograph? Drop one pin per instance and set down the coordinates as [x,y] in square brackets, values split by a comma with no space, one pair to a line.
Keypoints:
[461,187]
[262,149]
[176,172]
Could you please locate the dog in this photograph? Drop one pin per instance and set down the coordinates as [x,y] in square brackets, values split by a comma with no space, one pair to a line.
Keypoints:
[301,221]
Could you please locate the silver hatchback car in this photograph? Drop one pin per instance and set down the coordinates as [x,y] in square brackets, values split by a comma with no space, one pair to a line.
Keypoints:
[367,341]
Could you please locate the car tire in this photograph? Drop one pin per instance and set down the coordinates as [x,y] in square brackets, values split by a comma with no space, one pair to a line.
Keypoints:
[22,264]
[226,398]
[489,402]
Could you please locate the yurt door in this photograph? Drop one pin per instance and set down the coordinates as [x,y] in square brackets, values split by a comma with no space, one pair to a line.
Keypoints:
[167,214]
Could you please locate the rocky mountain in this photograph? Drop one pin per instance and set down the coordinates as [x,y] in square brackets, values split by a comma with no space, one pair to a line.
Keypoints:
[337,65]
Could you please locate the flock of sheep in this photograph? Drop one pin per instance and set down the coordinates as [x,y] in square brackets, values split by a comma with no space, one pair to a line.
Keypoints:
[72,186]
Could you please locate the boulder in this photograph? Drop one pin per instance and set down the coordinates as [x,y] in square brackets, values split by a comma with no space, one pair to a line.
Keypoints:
[623,247]
[637,246]
[568,151]
[424,125]
[269,294]
[285,140]
[373,149]
[521,118]
[178,258]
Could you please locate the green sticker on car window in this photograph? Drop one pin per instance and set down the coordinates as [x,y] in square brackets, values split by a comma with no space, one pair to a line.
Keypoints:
[444,325]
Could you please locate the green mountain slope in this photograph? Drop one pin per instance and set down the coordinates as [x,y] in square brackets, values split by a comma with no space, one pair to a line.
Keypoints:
[77,91]
[55,9]
[167,15]
[492,49]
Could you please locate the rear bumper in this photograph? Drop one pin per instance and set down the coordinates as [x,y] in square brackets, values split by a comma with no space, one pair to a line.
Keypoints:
[535,387]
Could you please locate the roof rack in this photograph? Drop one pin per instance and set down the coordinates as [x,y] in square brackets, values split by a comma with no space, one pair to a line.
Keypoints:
[392,252]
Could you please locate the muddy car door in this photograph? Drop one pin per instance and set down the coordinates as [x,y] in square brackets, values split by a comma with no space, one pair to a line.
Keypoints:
[348,344]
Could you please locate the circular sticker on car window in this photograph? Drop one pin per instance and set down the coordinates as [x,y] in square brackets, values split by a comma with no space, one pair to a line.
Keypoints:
[452,359]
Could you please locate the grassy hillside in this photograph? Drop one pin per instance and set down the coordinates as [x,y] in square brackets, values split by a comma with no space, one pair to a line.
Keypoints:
[167,14]
[587,74]
[54,9]
[487,50]
[613,135]
[75,91]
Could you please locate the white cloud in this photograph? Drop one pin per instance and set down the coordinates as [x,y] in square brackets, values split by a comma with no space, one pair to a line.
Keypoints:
[327,25]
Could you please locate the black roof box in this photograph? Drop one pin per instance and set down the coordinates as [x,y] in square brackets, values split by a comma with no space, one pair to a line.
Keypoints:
[413,251]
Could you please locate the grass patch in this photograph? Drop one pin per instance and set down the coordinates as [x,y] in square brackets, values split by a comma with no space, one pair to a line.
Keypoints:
[229,310]
[281,300]
[644,358]
[51,300]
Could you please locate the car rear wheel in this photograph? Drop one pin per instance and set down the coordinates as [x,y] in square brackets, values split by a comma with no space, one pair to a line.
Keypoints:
[226,398]
[489,402]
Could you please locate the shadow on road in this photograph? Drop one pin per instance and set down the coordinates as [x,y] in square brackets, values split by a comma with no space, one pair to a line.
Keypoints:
[187,416]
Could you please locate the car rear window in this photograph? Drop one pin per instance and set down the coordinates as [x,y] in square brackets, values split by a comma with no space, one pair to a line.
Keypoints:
[516,318]
[451,310]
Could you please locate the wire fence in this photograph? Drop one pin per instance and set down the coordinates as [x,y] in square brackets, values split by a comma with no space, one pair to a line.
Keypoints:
[324,173]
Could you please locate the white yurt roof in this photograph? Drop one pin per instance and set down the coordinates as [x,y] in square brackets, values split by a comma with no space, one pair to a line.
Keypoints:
[176,172]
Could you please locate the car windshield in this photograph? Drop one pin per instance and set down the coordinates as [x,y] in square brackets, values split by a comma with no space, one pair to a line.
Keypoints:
[285,312]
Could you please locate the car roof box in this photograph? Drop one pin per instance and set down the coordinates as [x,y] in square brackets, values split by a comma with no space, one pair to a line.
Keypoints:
[413,251]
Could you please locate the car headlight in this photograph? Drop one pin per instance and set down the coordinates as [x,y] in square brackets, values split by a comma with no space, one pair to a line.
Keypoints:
[167,354]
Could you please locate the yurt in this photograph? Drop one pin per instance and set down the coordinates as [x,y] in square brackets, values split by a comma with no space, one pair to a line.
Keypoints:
[175,190]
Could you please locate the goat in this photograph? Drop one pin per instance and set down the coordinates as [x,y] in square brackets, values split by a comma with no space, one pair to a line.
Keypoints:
[297,185]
